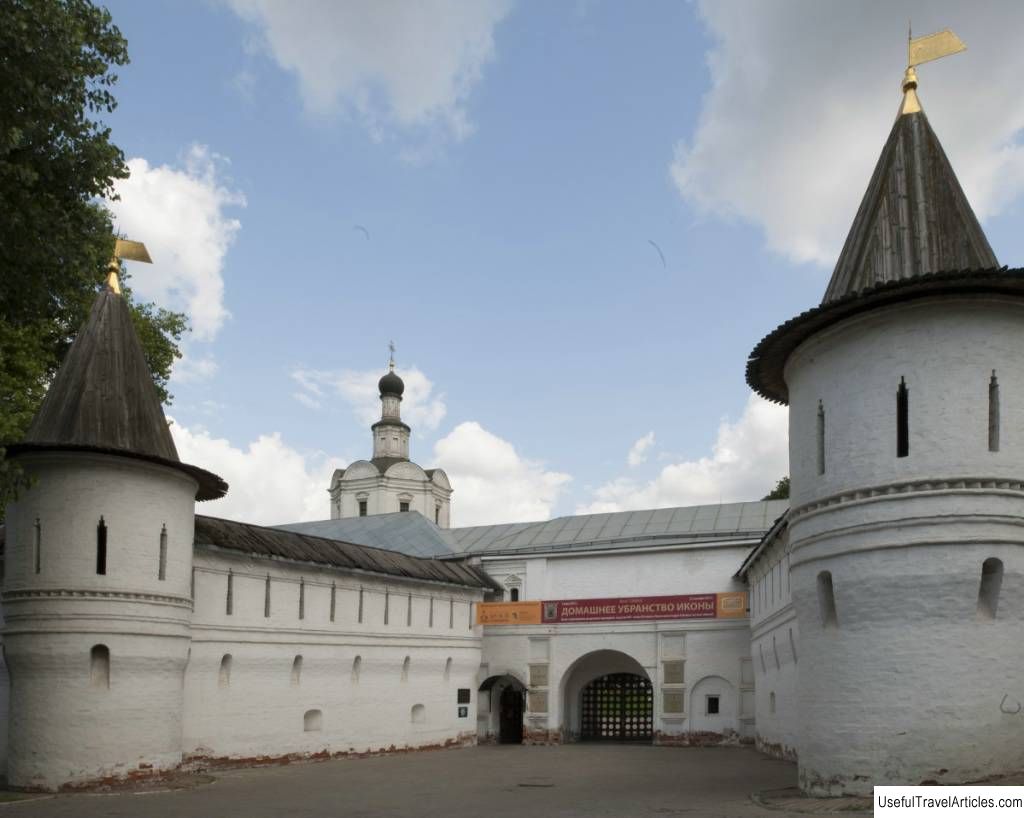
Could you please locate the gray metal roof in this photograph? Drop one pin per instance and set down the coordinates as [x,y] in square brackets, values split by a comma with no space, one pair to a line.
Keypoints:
[413,534]
[623,529]
[407,532]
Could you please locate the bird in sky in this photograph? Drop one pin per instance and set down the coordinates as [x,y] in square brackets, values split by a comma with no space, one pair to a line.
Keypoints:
[661,255]
[365,232]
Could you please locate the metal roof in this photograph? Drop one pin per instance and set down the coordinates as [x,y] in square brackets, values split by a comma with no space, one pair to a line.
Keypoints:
[623,529]
[407,532]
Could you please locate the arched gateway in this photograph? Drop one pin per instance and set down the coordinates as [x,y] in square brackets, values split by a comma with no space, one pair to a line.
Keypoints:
[501,703]
[607,696]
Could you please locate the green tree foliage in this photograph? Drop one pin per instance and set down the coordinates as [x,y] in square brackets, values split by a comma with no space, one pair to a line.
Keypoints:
[56,163]
[781,490]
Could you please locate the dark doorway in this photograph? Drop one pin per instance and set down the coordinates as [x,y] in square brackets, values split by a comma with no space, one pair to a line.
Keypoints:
[617,707]
[510,725]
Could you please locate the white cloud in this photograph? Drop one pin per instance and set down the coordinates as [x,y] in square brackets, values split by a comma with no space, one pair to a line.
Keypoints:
[421,407]
[180,214]
[391,62]
[493,483]
[638,451]
[189,368]
[269,481]
[802,98]
[746,460]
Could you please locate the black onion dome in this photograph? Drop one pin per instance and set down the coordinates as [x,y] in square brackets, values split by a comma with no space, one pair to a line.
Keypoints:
[391,384]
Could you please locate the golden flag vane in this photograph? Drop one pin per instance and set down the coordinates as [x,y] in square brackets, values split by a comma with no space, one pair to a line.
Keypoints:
[922,50]
[129,251]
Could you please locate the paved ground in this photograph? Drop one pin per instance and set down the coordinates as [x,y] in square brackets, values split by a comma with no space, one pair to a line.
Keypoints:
[582,781]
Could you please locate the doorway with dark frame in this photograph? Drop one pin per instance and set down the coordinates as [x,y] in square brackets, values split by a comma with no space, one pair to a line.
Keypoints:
[510,724]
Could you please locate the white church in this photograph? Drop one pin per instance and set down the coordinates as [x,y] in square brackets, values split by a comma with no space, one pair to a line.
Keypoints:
[864,628]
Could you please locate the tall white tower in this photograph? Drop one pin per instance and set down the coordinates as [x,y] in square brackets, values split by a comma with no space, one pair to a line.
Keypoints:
[97,587]
[390,482]
[906,390]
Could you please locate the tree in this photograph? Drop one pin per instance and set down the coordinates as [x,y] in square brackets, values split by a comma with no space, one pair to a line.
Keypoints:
[56,162]
[781,490]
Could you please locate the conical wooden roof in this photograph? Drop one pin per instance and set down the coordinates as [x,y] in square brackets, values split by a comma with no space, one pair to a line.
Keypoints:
[914,218]
[103,399]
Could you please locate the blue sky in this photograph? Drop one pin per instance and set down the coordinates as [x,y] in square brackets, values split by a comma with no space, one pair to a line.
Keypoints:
[510,203]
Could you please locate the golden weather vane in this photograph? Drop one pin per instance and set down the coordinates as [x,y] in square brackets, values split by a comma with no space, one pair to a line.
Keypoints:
[129,251]
[922,50]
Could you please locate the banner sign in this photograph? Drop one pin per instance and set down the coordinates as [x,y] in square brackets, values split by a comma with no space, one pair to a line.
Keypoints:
[731,605]
[508,613]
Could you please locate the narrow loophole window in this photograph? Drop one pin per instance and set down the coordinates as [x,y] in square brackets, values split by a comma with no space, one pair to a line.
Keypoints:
[312,721]
[334,599]
[405,669]
[296,671]
[101,547]
[448,668]
[821,438]
[431,621]
[451,613]
[229,597]
[162,569]
[360,616]
[37,546]
[357,666]
[302,599]
[408,611]
[902,419]
[993,413]
[192,584]
[224,677]
[988,592]
[771,702]
[827,600]
[266,598]
[387,605]
[99,666]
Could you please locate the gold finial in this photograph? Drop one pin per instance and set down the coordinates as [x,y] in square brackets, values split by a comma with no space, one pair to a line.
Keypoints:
[391,357]
[922,50]
[129,251]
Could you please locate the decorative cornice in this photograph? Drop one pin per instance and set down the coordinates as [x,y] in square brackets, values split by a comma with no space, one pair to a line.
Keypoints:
[955,485]
[73,593]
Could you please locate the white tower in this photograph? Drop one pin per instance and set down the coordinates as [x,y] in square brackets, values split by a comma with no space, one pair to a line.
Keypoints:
[390,482]
[98,563]
[906,386]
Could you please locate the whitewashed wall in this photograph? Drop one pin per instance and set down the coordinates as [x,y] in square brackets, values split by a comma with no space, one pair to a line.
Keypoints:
[716,654]
[353,672]
[908,684]
[775,650]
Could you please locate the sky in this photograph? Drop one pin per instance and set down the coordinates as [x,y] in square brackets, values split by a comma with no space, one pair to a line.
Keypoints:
[574,220]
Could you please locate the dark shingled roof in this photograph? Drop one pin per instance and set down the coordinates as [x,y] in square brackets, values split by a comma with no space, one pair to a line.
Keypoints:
[292,545]
[766,362]
[103,399]
[914,236]
[914,218]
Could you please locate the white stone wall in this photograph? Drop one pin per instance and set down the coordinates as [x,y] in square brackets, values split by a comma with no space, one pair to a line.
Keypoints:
[716,654]
[384,493]
[909,683]
[775,650]
[68,723]
[354,672]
